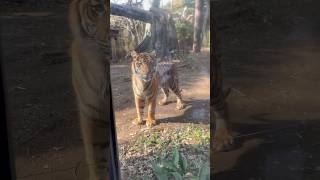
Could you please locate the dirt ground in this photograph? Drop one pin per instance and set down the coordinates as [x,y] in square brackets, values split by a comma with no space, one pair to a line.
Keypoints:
[195,84]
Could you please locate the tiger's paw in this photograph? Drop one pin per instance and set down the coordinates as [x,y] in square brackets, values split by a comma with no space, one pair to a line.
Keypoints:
[180,105]
[222,140]
[150,122]
[137,121]
[163,102]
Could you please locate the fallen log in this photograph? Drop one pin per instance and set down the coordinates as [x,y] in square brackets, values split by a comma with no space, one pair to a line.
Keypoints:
[130,12]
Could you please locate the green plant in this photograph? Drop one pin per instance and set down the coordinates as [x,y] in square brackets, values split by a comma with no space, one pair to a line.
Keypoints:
[177,169]
[184,32]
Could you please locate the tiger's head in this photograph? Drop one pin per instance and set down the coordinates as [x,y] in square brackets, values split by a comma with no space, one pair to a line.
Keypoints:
[144,65]
[89,18]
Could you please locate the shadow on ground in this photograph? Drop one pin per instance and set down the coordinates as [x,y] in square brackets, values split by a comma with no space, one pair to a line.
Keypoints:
[193,113]
[276,149]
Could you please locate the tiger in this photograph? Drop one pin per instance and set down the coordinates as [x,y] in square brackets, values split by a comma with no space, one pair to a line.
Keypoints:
[147,75]
[90,61]
[222,138]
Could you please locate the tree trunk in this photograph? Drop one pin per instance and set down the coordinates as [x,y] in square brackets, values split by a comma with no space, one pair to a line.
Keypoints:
[206,23]
[198,25]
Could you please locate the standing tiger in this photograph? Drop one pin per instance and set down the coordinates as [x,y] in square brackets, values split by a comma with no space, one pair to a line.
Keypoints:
[90,78]
[147,75]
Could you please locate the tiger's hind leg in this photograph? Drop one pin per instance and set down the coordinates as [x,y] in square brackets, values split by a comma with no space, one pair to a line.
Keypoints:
[180,104]
[164,99]
[177,91]
[139,107]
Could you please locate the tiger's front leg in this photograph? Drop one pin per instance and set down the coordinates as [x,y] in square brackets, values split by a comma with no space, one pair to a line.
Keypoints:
[222,138]
[139,107]
[151,111]
[164,99]
[96,146]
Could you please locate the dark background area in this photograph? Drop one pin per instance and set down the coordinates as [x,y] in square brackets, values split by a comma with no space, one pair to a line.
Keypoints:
[41,104]
[270,58]
[37,74]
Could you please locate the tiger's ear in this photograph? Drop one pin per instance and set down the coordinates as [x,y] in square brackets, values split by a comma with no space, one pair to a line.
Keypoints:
[153,53]
[133,54]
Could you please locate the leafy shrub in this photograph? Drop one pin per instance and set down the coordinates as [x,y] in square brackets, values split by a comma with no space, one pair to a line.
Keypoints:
[177,169]
[184,32]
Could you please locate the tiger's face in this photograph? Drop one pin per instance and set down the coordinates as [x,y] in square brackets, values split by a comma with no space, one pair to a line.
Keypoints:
[144,65]
[89,18]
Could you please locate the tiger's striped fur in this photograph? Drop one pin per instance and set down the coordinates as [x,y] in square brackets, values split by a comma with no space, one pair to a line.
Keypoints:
[90,78]
[147,76]
[222,137]
[169,80]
